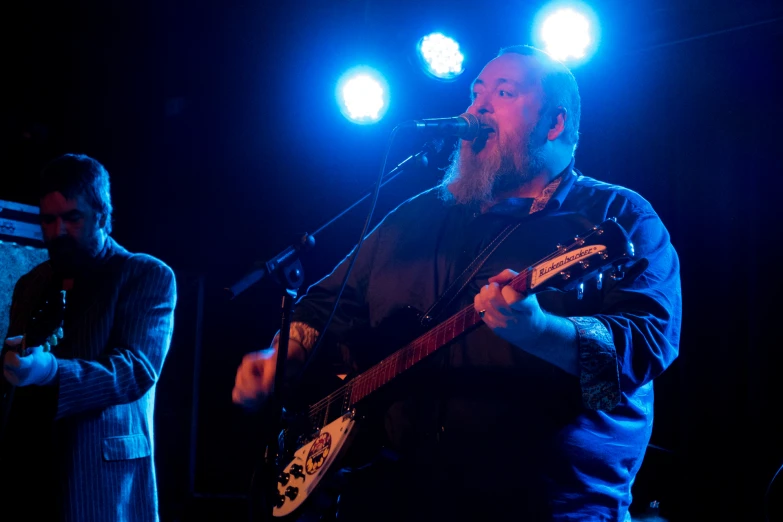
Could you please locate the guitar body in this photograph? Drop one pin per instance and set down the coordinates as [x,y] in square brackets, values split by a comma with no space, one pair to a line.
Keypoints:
[322,442]
[312,463]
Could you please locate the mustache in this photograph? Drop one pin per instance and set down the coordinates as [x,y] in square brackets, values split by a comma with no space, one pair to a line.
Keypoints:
[62,243]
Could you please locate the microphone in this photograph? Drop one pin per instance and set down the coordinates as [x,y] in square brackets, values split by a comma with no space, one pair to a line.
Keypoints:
[465,126]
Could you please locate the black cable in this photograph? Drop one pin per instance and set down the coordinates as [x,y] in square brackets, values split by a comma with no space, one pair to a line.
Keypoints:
[368,220]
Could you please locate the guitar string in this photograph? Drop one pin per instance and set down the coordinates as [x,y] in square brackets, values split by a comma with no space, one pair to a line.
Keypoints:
[345,391]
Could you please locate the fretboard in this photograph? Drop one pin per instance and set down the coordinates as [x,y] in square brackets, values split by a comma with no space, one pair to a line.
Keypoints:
[406,357]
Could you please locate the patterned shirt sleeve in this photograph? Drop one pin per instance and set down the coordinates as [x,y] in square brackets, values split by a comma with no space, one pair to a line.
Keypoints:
[598,376]
[305,334]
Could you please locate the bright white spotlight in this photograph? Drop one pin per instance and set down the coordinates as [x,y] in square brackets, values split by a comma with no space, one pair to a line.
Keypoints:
[440,56]
[566,34]
[362,96]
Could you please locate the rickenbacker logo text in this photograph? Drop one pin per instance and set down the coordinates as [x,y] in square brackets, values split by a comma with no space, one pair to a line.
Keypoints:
[551,268]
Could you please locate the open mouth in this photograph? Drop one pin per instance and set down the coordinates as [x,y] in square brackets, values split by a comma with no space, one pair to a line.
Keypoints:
[487,134]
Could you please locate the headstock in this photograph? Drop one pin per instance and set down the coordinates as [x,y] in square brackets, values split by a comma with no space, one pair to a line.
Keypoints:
[604,248]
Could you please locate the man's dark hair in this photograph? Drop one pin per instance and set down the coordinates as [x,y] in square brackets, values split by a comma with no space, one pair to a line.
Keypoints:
[73,175]
[559,86]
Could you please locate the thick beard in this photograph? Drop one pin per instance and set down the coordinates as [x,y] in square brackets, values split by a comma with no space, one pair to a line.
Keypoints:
[473,181]
[69,258]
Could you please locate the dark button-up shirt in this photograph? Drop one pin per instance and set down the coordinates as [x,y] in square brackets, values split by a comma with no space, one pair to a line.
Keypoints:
[482,414]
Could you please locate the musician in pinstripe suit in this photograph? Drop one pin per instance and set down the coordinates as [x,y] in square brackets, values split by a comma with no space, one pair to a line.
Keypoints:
[79,440]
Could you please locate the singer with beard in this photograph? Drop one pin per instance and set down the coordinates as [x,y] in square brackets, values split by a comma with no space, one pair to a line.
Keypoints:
[544,411]
[78,441]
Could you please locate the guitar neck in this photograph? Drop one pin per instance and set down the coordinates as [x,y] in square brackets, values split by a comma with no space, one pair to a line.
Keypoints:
[403,359]
[345,397]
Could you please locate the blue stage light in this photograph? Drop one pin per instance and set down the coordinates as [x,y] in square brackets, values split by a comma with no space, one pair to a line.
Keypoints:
[567,30]
[440,56]
[362,95]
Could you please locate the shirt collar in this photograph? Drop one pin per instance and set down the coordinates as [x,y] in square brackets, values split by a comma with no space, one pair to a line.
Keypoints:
[551,197]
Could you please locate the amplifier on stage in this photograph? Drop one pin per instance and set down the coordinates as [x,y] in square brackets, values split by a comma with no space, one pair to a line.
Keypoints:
[20,223]
[21,249]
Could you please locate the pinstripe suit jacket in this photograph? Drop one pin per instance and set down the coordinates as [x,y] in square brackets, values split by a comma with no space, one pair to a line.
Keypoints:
[117,331]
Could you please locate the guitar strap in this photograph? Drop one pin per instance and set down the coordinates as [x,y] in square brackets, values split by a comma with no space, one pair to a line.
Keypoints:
[458,285]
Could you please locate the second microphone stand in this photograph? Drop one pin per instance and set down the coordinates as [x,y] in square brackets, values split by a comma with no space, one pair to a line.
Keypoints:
[287,271]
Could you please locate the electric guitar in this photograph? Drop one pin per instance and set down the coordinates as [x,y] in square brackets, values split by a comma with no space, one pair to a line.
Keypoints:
[44,328]
[332,421]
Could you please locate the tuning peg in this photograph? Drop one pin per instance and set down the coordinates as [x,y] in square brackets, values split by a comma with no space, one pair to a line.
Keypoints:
[580,291]
[599,282]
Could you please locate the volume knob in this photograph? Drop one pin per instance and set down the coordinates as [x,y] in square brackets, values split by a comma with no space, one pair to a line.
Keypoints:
[291,492]
[296,471]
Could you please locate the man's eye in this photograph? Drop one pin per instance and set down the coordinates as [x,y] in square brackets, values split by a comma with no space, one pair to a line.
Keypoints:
[504,94]
[47,219]
[73,218]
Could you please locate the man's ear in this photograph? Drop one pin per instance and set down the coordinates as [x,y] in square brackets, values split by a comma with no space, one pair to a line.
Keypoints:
[557,124]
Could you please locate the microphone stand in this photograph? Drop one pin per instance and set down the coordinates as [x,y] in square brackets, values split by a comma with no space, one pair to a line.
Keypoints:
[287,271]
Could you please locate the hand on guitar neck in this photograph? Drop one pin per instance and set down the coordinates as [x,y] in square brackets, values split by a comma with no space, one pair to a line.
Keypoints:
[518,318]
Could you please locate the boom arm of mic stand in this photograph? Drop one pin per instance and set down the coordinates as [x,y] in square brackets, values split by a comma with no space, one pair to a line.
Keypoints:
[308,240]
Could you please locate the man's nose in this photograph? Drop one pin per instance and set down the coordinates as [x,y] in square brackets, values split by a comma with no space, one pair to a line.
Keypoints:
[62,230]
[480,105]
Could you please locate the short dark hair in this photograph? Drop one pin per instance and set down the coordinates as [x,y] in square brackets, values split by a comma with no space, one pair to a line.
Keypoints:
[73,175]
[559,86]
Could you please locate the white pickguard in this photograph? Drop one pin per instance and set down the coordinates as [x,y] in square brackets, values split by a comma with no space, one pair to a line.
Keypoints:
[310,464]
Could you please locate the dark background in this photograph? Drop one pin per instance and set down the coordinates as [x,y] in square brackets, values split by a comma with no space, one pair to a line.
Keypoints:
[218,124]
